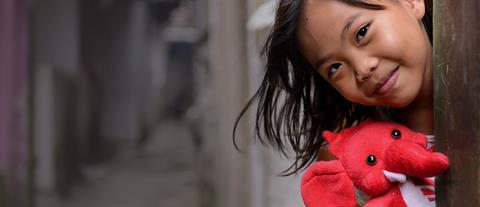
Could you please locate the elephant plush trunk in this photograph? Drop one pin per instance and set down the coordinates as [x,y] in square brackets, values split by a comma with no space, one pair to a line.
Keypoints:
[414,160]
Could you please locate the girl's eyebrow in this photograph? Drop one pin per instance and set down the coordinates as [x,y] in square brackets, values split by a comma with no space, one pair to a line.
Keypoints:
[321,61]
[347,26]
[349,23]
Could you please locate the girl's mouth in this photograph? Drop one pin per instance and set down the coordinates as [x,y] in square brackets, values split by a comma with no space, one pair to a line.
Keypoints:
[385,86]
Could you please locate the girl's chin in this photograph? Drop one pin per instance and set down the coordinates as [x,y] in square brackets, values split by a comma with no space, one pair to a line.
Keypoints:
[394,102]
[400,102]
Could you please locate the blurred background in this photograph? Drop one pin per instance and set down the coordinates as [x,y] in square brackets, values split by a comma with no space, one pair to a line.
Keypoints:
[131,103]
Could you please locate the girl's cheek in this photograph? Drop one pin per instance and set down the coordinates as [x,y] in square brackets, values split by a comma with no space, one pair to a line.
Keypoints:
[390,39]
[353,94]
[390,42]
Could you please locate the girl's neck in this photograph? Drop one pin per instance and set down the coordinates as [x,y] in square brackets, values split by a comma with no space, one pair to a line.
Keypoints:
[418,116]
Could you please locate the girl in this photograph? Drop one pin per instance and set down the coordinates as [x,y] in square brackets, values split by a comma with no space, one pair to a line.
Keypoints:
[333,63]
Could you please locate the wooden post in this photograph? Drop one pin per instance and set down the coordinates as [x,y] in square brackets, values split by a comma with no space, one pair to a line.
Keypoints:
[457,99]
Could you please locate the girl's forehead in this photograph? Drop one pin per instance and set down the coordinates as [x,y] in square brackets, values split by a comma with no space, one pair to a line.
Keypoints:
[323,22]
[325,9]
[328,15]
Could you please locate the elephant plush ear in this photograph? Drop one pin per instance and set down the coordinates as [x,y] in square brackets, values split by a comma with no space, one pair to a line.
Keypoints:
[333,141]
[337,141]
[325,184]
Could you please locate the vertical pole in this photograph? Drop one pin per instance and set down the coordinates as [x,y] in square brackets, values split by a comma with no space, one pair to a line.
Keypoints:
[228,60]
[457,99]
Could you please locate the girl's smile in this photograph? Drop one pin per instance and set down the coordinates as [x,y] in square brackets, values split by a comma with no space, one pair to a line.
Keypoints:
[387,83]
[371,57]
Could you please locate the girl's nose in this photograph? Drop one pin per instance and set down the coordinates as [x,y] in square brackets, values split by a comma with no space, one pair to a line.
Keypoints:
[365,68]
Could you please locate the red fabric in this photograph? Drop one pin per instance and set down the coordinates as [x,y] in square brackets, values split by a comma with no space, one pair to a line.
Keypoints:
[414,160]
[325,184]
[330,183]
[389,199]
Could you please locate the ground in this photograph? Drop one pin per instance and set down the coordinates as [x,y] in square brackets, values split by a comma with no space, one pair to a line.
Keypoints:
[161,173]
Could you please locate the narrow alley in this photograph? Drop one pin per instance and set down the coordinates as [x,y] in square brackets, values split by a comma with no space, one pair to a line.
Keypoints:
[132,103]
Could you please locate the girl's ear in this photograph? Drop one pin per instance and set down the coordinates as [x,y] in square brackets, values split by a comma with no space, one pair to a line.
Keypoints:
[417,7]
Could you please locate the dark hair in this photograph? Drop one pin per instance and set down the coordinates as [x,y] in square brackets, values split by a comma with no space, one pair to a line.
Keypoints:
[295,104]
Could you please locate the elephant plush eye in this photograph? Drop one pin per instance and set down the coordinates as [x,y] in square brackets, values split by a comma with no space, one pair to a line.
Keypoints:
[396,134]
[371,160]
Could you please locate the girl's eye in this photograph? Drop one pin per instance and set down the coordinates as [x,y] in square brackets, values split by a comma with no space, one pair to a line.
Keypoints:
[362,32]
[333,68]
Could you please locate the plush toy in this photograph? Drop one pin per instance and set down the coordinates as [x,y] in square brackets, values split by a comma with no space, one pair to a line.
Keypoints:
[385,160]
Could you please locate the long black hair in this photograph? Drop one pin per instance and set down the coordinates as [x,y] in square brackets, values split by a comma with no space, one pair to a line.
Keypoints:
[295,104]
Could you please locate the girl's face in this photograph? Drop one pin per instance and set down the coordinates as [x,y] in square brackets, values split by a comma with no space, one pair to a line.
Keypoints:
[372,57]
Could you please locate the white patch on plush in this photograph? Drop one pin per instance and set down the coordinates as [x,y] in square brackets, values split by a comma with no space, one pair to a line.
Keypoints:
[395,177]
[413,195]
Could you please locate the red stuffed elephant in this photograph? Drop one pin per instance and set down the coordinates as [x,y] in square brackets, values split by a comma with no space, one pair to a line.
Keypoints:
[385,160]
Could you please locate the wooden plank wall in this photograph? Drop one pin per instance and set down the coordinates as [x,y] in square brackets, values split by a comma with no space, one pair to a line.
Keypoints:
[457,99]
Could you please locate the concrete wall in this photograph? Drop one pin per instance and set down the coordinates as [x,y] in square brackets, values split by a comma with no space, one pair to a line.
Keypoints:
[115,41]
[228,60]
[55,43]
[56,35]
